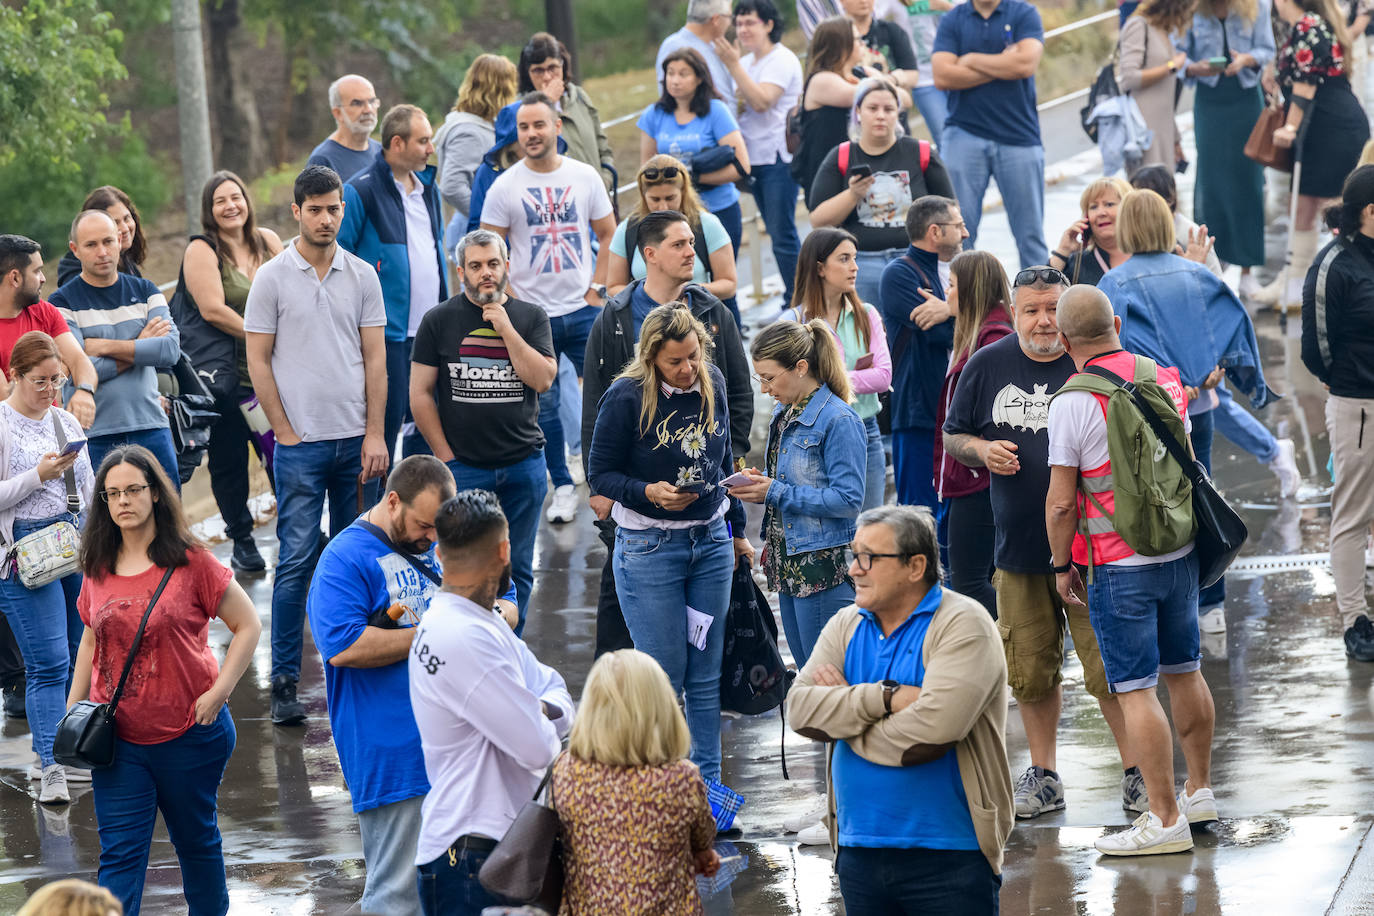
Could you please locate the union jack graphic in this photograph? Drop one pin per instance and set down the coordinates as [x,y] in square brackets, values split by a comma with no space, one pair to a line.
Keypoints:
[555,233]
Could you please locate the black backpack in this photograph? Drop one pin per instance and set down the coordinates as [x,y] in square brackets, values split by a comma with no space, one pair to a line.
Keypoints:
[698,245]
[753,678]
[1103,88]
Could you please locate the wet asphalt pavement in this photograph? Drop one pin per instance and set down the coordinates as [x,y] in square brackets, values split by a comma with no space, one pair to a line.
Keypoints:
[1292,764]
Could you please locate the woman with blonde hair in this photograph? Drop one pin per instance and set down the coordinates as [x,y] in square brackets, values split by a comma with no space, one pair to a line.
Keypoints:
[468,131]
[665,184]
[636,822]
[980,296]
[71,897]
[1089,247]
[1149,68]
[660,448]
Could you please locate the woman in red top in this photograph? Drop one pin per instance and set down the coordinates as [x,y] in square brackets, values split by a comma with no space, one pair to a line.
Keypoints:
[174,730]
[978,294]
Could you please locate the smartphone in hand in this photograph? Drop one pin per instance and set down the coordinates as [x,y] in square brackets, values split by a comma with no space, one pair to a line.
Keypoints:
[864,362]
[862,170]
[72,447]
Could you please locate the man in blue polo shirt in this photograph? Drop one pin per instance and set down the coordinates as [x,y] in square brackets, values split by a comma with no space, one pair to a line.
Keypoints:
[985,55]
[908,684]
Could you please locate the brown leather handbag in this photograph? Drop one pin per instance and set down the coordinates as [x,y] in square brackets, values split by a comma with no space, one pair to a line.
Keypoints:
[1260,146]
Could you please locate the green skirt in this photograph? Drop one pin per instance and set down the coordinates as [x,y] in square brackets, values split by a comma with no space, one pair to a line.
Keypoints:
[1228,196]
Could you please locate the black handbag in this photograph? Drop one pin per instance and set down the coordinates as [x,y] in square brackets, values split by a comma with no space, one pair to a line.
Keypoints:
[527,864]
[753,677]
[193,412]
[210,350]
[713,159]
[1220,530]
[86,734]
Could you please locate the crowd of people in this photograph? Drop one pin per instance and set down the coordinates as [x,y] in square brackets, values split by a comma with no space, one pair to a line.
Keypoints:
[436,348]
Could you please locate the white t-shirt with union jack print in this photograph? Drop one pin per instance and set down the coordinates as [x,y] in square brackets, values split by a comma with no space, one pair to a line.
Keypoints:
[549,217]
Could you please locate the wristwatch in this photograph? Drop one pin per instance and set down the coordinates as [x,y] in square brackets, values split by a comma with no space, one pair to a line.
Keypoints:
[1060,570]
[88,388]
[889,688]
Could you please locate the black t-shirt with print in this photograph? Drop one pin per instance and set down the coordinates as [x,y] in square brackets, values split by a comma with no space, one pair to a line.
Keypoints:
[490,417]
[888,39]
[879,221]
[1004,394]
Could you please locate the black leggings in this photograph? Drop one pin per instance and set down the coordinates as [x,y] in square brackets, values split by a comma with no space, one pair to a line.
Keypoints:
[971,540]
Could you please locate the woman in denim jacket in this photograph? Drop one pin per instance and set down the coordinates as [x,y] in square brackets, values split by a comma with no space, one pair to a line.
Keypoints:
[814,484]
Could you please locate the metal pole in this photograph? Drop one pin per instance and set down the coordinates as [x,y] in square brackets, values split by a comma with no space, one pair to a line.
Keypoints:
[558,14]
[193,112]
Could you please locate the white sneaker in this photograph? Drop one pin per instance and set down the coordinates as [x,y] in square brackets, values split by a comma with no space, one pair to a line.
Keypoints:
[1148,837]
[815,835]
[53,789]
[1285,467]
[1198,808]
[563,506]
[1248,286]
[813,812]
[74,774]
[1212,620]
[579,474]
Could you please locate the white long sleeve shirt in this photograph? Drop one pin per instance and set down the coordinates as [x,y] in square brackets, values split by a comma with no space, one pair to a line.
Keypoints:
[475,689]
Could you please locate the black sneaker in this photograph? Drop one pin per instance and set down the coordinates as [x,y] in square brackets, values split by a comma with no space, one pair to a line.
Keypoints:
[286,709]
[1359,640]
[246,557]
[14,701]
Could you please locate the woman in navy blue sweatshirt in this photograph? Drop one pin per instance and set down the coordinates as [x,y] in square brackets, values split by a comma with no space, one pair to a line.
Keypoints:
[660,448]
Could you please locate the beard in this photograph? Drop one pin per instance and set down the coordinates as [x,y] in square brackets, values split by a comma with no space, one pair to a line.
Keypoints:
[503,584]
[398,537]
[491,296]
[1029,343]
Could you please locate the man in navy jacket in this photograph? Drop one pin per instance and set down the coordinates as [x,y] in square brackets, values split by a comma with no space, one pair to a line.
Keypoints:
[392,221]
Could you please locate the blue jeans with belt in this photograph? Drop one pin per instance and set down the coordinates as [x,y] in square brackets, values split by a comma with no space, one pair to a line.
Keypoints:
[449,885]
[48,631]
[659,573]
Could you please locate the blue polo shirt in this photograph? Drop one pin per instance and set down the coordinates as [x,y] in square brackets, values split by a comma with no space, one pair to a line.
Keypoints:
[1001,110]
[915,807]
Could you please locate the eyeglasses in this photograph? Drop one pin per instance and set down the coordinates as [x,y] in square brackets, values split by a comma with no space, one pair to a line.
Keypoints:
[548,69]
[51,383]
[865,560]
[133,492]
[373,102]
[1040,275]
[667,173]
[764,379]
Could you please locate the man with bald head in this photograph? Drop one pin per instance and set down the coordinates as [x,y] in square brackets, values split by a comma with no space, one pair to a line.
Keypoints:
[123,325]
[350,149]
[1144,608]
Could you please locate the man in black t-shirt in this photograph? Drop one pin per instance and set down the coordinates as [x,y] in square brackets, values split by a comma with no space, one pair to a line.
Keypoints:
[479,363]
[999,419]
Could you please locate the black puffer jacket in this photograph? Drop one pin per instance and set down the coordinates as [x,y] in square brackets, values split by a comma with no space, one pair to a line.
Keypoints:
[1338,317]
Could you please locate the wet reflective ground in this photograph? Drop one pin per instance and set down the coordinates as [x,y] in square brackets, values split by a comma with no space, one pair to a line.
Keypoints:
[1292,765]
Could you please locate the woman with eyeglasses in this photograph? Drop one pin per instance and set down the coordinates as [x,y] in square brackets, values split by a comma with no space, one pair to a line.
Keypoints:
[34,495]
[133,246]
[813,485]
[665,184]
[174,734]
[866,185]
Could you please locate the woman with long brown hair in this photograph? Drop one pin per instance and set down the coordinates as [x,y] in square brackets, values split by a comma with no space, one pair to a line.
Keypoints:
[1150,67]
[133,245]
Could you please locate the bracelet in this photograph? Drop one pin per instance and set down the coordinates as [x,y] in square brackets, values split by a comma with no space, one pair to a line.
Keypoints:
[1061,256]
[1060,570]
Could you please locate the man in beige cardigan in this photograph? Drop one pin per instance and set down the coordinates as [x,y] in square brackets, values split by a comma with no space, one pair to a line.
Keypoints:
[909,685]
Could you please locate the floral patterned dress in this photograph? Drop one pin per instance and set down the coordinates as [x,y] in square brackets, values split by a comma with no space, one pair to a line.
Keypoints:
[629,837]
[1334,128]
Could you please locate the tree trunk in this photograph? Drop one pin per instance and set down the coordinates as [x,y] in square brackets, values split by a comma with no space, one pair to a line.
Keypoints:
[241,145]
[661,19]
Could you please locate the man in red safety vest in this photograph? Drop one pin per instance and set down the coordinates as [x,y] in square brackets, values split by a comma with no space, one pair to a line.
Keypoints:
[1144,608]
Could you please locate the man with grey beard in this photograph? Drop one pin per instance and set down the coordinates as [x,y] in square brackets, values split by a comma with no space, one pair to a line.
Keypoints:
[999,420]
[350,149]
[479,363]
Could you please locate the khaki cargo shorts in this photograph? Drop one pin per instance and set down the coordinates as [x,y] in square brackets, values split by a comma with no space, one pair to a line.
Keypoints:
[1031,619]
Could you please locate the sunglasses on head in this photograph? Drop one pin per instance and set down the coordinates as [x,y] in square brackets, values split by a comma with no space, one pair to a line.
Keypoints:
[667,173]
[1040,275]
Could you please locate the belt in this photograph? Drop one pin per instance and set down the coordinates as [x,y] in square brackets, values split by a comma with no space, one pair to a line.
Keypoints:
[475,843]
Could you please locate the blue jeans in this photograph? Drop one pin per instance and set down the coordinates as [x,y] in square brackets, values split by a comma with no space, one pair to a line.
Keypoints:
[389,833]
[569,337]
[659,573]
[804,618]
[1240,426]
[181,779]
[1204,426]
[913,467]
[1145,620]
[570,406]
[934,106]
[44,626]
[732,219]
[520,488]
[1020,174]
[157,441]
[449,885]
[307,473]
[875,467]
[913,882]
[868,284]
[775,193]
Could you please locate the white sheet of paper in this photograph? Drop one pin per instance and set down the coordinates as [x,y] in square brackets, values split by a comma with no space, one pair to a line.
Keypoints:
[697,626]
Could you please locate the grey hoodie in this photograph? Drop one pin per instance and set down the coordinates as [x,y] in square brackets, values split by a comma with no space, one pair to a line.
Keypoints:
[460,143]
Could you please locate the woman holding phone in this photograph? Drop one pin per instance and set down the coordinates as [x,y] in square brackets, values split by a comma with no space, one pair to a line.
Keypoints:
[1088,248]
[33,496]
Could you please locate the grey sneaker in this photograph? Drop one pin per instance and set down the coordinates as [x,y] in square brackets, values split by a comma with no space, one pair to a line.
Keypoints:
[53,789]
[1133,795]
[1038,791]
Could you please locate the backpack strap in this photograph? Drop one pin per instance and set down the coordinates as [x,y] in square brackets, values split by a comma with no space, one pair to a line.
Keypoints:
[842,158]
[1175,448]
[703,256]
[631,239]
[924,146]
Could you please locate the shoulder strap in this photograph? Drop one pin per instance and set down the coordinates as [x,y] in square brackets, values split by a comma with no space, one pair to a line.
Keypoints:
[631,238]
[138,639]
[68,476]
[704,256]
[924,147]
[842,158]
[1176,449]
[410,558]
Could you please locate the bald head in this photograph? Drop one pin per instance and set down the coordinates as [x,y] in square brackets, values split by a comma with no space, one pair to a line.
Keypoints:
[1087,323]
[104,219]
[94,240]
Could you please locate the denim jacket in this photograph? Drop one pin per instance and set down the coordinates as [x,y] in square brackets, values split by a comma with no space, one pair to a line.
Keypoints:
[1204,40]
[1180,314]
[818,485]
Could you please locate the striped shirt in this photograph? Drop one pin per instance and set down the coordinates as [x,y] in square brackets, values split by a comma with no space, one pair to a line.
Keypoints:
[126,400]
[811,12]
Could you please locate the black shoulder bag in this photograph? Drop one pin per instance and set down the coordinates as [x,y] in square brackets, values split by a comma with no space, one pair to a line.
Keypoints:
[86,735]
[1220,530]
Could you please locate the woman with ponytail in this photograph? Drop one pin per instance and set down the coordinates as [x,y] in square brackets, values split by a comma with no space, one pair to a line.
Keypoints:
[814,482]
